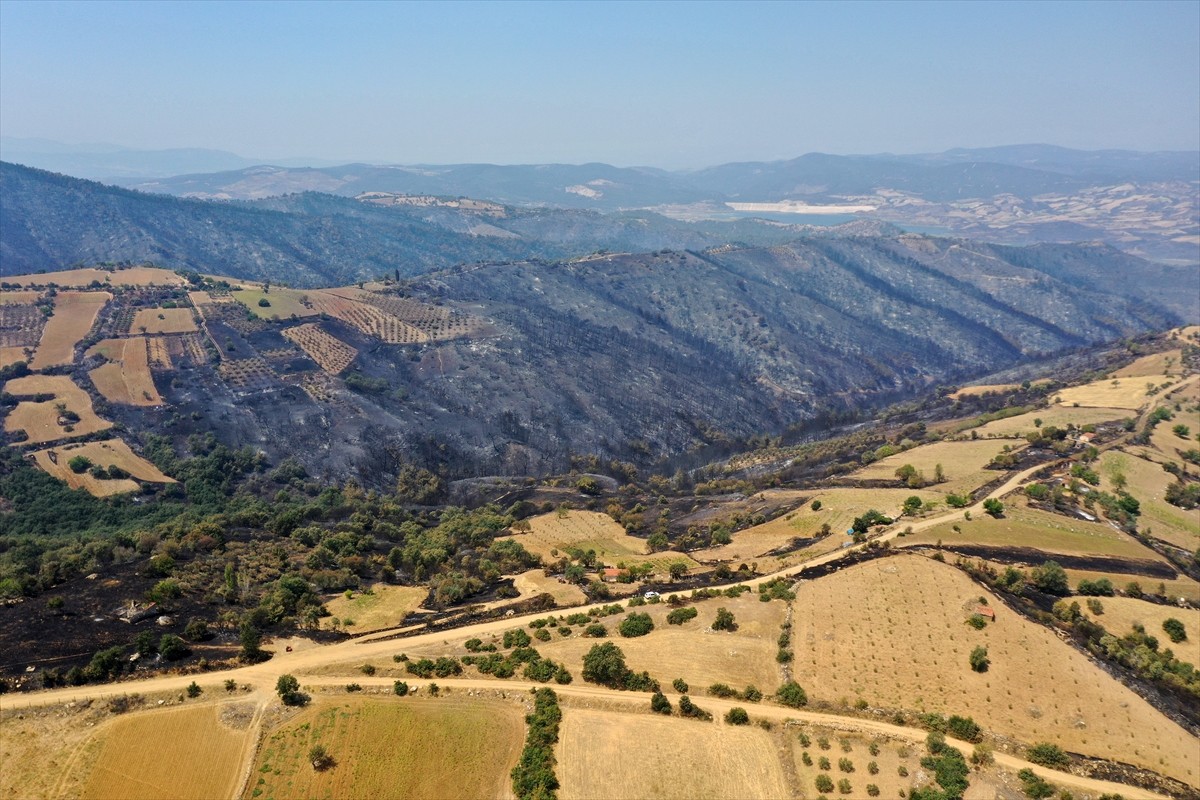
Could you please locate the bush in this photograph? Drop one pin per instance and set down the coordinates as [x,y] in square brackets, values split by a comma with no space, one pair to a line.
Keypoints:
[824,784]
[197,630]
[635,624]
[724,621]
[977,621]
[680,685]
[79,464]
[193,689]
[845,765]
[872,790]
[722,690]
[1101,587]
[994,507]
[844,786]
[1051,579]
[172,647]
[319,757]
[353,687]
[964,728]
[979,659]
[289,691]
[1048,755]
[982,755]
[681,615]
[659,704]
[689,709]
[737,716]
[1034,786]
[595,631]
[400,688]
[792,694]
[1174,629]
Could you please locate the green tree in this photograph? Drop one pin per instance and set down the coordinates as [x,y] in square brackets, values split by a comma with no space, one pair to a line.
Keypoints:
[1051,578]
[251,641]
[193,689]
[172,648]
[979,659]
[737,716]
[792,694]
[289,692]
[605,664]
[724,621]
[1174,629]
[636,624]
[993,507]
[319,757]
[79,464]
[824,783]
[1048,755]
[659,704]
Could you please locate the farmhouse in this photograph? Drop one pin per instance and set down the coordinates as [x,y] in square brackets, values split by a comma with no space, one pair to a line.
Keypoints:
[612,574]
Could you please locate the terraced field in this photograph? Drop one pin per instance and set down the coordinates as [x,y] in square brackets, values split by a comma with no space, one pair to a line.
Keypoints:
[964,464]
[74,315]
[331,353]
[48,421]
[126,378]
[591,530]
[110,452]
[163,320]
[79,278]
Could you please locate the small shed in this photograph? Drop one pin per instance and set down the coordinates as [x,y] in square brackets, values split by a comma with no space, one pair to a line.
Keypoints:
[986,611]
[612,574]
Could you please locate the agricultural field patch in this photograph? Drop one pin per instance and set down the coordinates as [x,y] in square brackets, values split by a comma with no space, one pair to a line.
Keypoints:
[155,755]
[1155,365]
[412,748]
[163,320]
[283,303]
[638,756]
[893,632]
[1022,526]
[331,353]
[19,297]
[126,378]
[592,530]
[21,324]
[534,582]
[1059,416]
[1120,614]
[367,318]
[963,462]
[1181,586]
[45,753]
[11,355]
[111,452]
[74,315]
[129,276]
[383,607]
[247,373]
[1130,393]
[436,322]
[1148,482]
[991,388]
[51,420]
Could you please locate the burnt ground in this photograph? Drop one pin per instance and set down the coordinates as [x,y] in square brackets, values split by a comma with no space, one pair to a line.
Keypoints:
[1031,556]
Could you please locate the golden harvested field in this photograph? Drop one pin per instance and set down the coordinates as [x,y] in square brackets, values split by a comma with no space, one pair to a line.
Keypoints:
[163,320]
[692,651]
[180,753]
[74,315]
[369,319]
[284,303]
[126,378]
[21,297]
[971,391]
[1114,393]
[963,463]
[131,276]
[11,355]
[1171,444]
[44,751]
[1059,416]
[1183,586]
[535,582]
[1120,614]
[637,756]
[1148,482]
[892,631]
[384,607]
[42,421]
[451,747]
[591,530]
[1155,365]
[105,454]
[1022,526]
[330,352]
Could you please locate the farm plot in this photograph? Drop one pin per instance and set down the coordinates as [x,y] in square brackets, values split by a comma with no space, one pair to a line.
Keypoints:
[345,305]
[892,631]
[158,352]
[130,276]
[383,607]
[109,453]
[189,346]
[1120,614]
[74,315]
[69,414]
[963,463]
[412,748]
[11,355]
[591,530]
[247,373]
[638,756]
[991,388]
[1026,527]
[534,582]
[435,322]
[282,303]
[181,753]
[1127,393]
[163,320]
[1059,416]
[1155,365]
[1148,482]
[19,297]
[331,353]
[21,325]
[1182,586]
[126,378]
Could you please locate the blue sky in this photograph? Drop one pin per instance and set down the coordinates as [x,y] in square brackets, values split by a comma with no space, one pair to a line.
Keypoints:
[664,84]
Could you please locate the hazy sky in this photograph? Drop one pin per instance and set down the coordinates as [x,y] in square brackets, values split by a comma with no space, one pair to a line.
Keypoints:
[664,84]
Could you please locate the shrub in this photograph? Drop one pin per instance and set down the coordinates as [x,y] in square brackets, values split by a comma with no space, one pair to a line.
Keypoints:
[197,630]
[1174,629]
[1102,587]
[289,691]
[979,659]
[689,709]
[681,615]
[79,464]
[964,728]
[1033,785]
[172,647]
[193,689]
[722,690]
[1095,606]
[724,621]
[977,621]
[824,764]
[659,704]
[737,716]
[824,784]
[994,507]
[400,688]
[982,755]
[792,694]
[752,694]
[845,765]
[319,757]
[595,631]
[680,685]
[516,638]
[872,768]
[353,687]
[872,790]
[635,624]
[368,669]
[1048,755]
[844,786]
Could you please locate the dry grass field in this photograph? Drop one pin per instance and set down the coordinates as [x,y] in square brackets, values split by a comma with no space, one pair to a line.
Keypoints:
[450,747]
[284,303]
[383,607]
[43,422]
[1148,482]
[535,582]
[1155,365]
[1119,614]
[131,276]
[74,315]
[332,354]
[44,751]
[591,530]
[892,631]
[163,320]
[156,755]
[19,297]
[1022,526]
[1127,393]
[111,452]
[972,391]
[1182,586]
[126,379]
[1059,416]
[639,756]
[963,463]
[11,355]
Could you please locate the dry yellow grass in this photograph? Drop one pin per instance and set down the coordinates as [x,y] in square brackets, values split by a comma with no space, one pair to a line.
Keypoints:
[451,747]
[638,756]
[42,422]
[131,276]
[181,753]
[1183,586]
[112,452]
[1120,614]
[963,463]
[591,530]
[126,379]
[1127,393]
[22,297]
[284,303]
[74,315]
[1155,365]
[1059,416]
[44,751]
[535,582]
[971,391]
[1148,482]
[332,354]
[163,320]
[383,607]
[892,632]
[11,355]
